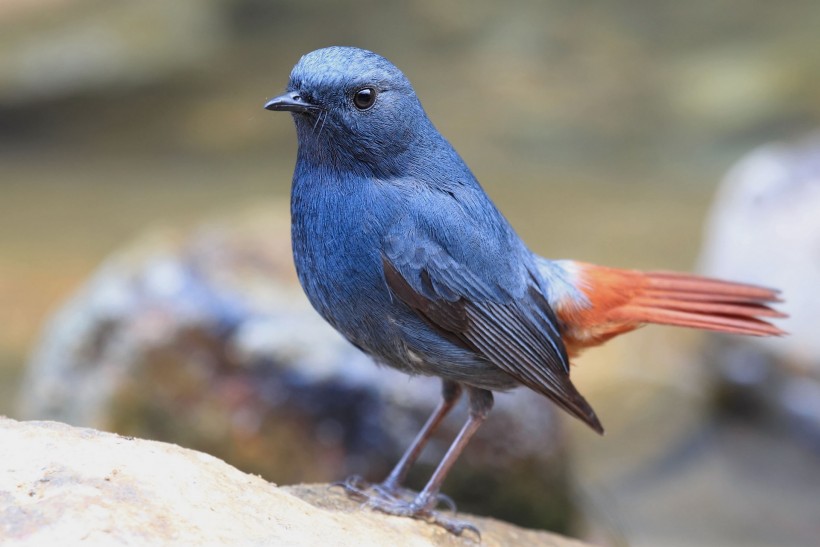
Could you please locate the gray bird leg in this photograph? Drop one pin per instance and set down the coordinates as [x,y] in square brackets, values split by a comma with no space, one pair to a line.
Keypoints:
[481,402]
[391,488]
[450,393]
[390,498]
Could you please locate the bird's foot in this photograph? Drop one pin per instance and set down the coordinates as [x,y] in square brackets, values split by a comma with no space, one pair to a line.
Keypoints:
[418,509]
[402,502]
[359,489]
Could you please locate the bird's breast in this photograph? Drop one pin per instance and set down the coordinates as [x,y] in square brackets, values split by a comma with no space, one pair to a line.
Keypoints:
[337,228]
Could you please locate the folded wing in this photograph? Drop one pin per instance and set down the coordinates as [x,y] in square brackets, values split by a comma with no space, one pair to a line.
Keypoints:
[512,327]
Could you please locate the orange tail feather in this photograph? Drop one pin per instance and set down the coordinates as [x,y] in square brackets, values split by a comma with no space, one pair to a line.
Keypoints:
[623,300]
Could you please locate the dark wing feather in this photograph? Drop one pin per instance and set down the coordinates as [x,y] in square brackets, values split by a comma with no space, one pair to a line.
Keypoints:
[517,335]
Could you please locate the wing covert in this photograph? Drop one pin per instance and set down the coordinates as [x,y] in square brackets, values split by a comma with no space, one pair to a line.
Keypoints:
[509,324]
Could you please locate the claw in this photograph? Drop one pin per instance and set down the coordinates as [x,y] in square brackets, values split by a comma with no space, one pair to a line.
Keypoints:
[350,482]
[355,487]
[402,502]
[447,501]
[457,527]
[413,510]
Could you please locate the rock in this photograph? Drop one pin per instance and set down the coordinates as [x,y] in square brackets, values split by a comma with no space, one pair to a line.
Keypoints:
[764,228]
[205,340]
[62,485]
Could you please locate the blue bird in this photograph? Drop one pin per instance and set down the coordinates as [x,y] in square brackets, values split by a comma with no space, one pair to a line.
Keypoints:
[398,247]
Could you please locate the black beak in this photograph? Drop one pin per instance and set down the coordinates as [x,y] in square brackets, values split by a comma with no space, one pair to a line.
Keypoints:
[290,102]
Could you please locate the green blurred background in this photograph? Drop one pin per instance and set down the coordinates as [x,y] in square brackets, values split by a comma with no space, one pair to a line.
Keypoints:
[600,129]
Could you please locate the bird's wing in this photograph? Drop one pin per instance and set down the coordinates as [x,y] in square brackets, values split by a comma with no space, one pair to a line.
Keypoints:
[490,306]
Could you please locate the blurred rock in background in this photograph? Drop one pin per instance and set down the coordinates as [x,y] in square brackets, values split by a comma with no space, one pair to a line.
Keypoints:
[205,340]
[764,228]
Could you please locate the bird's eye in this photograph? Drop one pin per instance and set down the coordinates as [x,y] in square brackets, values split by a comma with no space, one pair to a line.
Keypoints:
[364,98]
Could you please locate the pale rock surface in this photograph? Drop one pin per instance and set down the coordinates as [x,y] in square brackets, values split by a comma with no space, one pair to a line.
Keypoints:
[61,485]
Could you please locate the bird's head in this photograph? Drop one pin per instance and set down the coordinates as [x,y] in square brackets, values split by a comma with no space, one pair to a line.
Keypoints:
[353,107]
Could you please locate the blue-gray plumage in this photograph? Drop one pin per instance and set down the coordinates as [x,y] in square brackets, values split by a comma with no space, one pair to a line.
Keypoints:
[399,248]
[379,190]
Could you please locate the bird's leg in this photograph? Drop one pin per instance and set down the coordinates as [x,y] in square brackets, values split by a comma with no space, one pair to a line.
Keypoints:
[390,487]
[481,402]
[422,507]
[450,393]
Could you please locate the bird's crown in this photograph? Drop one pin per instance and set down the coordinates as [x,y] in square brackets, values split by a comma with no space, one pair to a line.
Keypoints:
[339,68]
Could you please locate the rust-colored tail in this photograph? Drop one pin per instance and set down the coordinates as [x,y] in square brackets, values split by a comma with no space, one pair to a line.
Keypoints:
[623,300]
[704,303]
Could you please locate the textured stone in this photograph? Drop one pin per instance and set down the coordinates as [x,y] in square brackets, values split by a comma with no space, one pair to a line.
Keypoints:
[61,485]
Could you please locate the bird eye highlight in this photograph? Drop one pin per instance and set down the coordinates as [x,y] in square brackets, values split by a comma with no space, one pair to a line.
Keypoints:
[364,98]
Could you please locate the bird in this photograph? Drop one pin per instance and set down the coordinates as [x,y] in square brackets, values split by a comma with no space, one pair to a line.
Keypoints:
[399,248]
